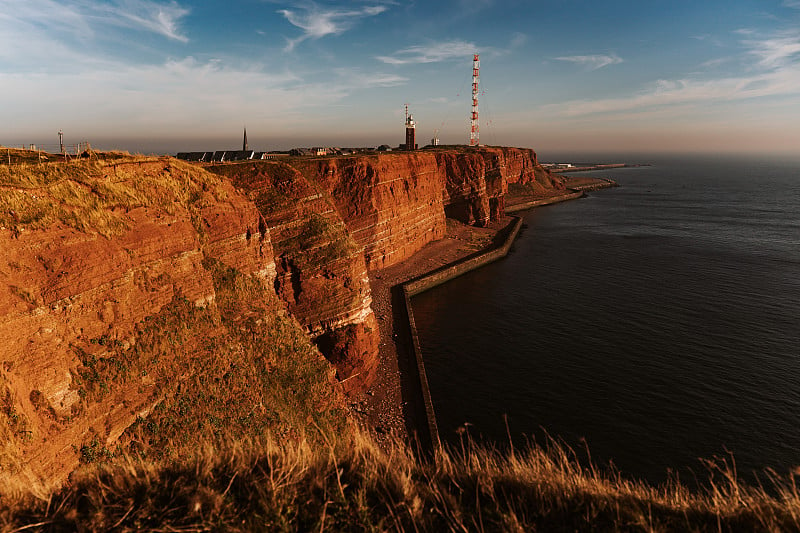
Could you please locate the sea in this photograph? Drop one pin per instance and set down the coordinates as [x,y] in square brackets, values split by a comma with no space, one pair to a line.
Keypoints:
[653,327]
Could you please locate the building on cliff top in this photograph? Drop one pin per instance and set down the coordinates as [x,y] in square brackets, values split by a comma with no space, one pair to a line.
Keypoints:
[411,132]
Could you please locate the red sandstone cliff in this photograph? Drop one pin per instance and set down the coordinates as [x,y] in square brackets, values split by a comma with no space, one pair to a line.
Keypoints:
[111,275]
[321,273]
[71,297]
[395,203]
[331,219]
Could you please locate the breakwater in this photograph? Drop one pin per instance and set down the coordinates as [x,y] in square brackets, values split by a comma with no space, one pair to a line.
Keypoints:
[430,280]
[599,183]
[438,276]
[544,201]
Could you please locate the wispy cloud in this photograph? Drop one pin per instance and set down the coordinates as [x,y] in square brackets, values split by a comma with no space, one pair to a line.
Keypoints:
[716,62]
[795,4]
[437,52]
[782,48]
[183,97]
[431,53]
[773,62]
[592,62]
[44,31]
[318,21]
[352,78]
[163,19]
[517,40]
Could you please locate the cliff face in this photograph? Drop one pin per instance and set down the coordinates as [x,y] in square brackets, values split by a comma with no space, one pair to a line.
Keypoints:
[321,272]
[332,219]
[395,203]
[79,361]
[154,289]
[391,204]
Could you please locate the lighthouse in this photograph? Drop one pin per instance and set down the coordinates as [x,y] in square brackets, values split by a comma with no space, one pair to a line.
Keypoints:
[411,132]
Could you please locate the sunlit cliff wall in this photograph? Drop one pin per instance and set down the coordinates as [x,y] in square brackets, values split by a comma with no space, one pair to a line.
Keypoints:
[138,289]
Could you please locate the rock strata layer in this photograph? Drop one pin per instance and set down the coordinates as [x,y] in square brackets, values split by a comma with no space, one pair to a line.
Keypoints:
[89,259]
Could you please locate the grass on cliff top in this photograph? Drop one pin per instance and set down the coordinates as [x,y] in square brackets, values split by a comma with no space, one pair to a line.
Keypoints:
[94,194]
[351,485]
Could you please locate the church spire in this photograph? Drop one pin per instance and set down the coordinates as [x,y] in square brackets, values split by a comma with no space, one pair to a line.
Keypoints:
[244,141]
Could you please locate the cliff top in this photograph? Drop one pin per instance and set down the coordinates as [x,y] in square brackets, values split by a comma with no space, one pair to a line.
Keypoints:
[96,193]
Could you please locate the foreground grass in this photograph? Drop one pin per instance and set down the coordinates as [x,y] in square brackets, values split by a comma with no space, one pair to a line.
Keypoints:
[352,485]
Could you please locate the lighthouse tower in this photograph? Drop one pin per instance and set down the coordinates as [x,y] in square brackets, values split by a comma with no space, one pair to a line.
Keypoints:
[411,132]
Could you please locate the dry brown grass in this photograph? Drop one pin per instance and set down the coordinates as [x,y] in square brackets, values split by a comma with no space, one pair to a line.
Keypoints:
[349,484]
[95,194]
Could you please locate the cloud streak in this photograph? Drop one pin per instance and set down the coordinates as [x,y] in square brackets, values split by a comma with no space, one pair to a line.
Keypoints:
[183,97]
[592,62]
[162,19]
[84,20]
[775,73]
[777,50]
[358,79]
[317,22]
[431,53]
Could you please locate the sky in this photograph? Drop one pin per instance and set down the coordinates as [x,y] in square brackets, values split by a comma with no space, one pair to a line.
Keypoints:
[156,76]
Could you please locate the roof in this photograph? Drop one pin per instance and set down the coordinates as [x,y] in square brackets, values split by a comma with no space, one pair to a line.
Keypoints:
[194,156]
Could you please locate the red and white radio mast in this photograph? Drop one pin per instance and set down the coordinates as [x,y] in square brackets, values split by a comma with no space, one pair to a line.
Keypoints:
[474,135]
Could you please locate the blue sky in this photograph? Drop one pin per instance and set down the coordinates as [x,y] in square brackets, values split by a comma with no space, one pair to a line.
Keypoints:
[558,75]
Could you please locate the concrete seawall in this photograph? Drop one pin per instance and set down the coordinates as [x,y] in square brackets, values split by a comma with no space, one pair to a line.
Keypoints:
[448,272]
[430,280]
[604,184]
[545,201]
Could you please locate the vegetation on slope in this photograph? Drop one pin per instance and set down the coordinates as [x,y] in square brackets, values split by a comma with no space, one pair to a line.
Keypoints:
[351,485]
[240,367]
[258,375]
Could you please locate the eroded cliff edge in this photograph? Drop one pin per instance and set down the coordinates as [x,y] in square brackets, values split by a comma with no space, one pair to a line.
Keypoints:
[333,219]
[135,294]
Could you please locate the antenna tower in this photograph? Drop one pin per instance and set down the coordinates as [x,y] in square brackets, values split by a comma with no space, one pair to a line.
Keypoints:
[474,135]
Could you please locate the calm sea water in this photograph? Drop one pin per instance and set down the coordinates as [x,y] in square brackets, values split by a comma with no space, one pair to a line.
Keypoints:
[659,322]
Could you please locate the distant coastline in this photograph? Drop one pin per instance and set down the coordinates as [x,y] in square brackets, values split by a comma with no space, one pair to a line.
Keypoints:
[558,169]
